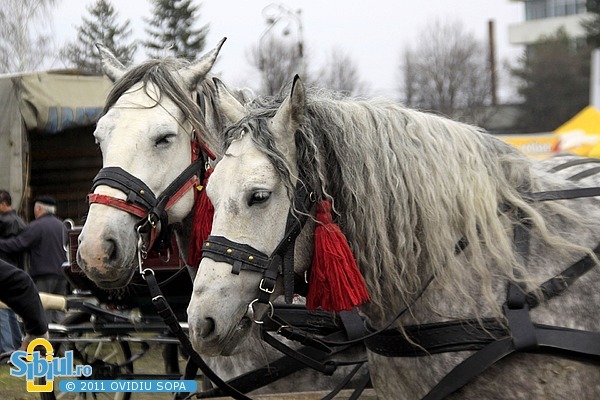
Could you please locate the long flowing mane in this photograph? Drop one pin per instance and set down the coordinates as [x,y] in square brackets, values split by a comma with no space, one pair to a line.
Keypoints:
[406,187]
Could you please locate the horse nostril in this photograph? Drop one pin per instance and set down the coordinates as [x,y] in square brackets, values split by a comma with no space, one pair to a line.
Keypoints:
[207,328]
[110,249]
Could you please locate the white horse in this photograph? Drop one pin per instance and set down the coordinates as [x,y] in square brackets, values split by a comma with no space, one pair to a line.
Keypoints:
[147,135]
[429,207]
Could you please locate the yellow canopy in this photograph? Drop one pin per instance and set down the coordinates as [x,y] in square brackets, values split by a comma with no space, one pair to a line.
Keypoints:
[586,122]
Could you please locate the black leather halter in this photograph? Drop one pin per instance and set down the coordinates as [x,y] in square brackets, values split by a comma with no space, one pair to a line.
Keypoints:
[280,262]
[140,199]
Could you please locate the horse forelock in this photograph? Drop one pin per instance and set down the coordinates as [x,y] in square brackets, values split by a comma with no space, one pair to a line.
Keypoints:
[162,74]
[406,187]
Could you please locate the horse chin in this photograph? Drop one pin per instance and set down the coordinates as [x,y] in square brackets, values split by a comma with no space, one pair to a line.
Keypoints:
[233,342]
[108,277]
[123,279]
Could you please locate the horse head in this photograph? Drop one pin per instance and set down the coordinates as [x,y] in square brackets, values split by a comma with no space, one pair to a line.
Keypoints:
[251,189]
[147,135]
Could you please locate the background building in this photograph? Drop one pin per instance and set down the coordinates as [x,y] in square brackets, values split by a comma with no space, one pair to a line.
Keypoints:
[545,17]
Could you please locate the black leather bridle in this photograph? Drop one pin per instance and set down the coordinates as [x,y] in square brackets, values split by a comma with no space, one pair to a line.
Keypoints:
[279,263]
[141,201]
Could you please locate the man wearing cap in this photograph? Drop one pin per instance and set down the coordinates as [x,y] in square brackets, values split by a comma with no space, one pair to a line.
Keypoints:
[43,238]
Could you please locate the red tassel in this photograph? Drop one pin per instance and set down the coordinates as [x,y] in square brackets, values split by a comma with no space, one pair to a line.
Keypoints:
[335,282]
[202,222]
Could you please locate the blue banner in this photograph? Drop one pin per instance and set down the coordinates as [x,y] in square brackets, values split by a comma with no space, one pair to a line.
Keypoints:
[132,386]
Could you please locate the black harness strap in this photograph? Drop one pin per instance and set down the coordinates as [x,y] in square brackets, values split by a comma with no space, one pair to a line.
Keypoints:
[584,174]
[516,308]
[166,313]
[561,282]
[575,162]
[135,189]
[552,338]
[522,334]
[437,338]
[275,370]
[468,334]
[566,194]
[359,389]
[317,321]
[307,358]
[138,193]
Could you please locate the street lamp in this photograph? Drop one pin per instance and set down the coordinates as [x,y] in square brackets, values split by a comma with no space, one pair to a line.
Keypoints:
[274,14]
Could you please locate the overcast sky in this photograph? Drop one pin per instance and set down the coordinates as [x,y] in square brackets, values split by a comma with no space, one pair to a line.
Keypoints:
[374,33]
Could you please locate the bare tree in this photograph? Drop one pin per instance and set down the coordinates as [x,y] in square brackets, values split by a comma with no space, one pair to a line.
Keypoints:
[278,61]
[447,72]
[22,46]
[340,73]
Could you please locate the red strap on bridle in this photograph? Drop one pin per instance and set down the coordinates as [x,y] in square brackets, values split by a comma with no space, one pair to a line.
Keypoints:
[134,209]
[117,203]
[200,143]
[192,182]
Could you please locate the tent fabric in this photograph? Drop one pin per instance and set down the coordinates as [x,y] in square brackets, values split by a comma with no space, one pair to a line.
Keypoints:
[13,143]
[54,102]
[46,102]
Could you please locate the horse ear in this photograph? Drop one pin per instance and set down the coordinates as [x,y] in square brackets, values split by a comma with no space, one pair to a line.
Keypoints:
[195,72]
[231,107]
[291,112]
[110,65]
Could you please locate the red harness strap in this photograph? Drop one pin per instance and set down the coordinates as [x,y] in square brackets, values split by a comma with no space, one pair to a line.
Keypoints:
[117,203]
[134,208]
[193,181]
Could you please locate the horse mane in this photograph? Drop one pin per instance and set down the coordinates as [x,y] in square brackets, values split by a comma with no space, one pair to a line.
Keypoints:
[442,181]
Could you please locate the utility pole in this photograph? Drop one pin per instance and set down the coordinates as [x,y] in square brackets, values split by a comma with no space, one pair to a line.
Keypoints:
[492,62]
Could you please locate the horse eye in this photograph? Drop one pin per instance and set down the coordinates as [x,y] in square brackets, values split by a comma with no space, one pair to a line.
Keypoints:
[259,197]
[163,140]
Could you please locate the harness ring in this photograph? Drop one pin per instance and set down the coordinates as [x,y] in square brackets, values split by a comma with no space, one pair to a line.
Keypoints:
[251,309]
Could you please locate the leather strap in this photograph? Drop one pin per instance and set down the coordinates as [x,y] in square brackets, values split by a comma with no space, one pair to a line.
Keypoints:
[166,313]
[575,162]
[584,174]
[566,194]
[572,341]
[271,372]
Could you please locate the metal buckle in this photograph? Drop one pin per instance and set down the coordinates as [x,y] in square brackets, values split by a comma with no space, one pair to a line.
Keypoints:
[266,290]
[142,253]
[144,273]
[156,298]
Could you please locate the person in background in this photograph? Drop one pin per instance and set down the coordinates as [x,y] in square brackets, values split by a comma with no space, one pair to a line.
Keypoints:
[18,291]
[10,225]
[44,239]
